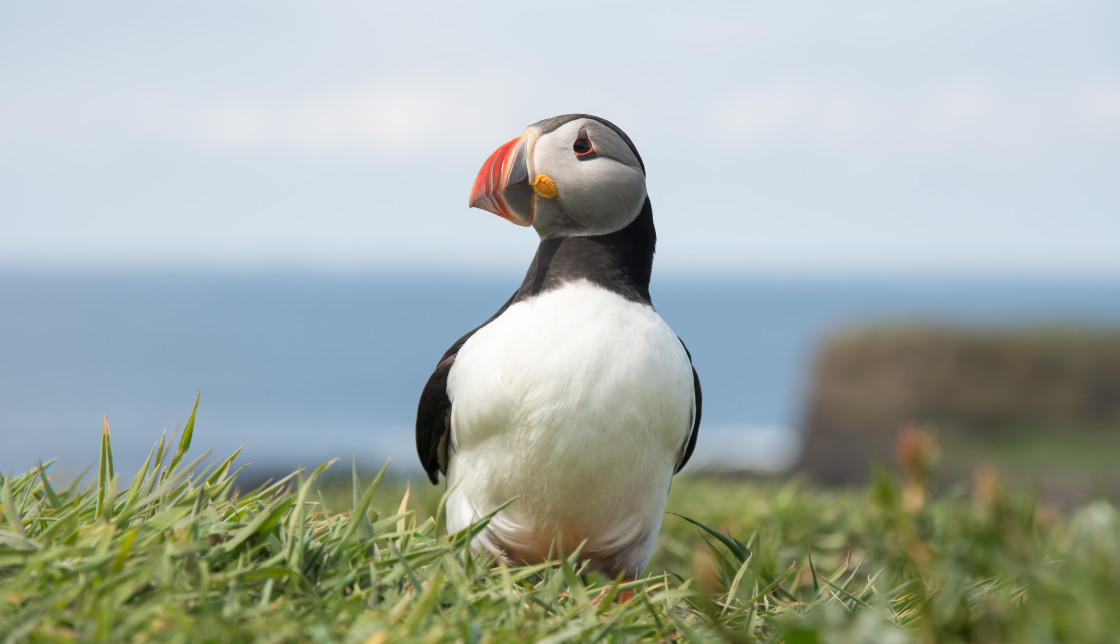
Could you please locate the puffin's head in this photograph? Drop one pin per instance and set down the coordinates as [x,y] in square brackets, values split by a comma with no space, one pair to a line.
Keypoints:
[566,176]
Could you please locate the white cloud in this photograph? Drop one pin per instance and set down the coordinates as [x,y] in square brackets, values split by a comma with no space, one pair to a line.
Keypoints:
[960,107]
[936,120]
[1101,107]
[410,117]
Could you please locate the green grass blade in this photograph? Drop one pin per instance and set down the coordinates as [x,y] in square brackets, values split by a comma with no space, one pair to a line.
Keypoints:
[261,523]
[51,495]
[813,573]
[172,481]
[110,498]
[161,452]
[355,482]
[733,589]
[18,542]
[737,548]
[358,517]
[136,488]
[222,470]
[105,467]
[188,433]
[296,524]
[15,519]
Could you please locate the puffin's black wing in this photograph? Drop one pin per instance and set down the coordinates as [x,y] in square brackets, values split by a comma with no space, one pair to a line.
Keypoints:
[433,419]
[686,453]
[433,414]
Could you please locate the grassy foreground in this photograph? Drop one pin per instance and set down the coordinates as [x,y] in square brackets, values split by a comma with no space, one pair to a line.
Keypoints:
[176,554]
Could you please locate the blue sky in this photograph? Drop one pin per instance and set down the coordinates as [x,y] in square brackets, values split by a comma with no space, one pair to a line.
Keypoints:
[780,138]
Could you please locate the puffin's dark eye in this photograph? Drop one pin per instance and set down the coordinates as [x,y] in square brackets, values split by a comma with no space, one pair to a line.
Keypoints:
[582,146]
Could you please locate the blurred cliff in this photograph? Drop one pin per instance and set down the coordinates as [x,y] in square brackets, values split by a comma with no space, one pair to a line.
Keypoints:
[1041,405]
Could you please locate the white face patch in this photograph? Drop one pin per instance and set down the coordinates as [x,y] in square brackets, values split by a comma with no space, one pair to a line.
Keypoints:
[597,193]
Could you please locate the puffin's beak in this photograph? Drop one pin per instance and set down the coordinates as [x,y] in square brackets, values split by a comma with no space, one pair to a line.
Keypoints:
[502,185]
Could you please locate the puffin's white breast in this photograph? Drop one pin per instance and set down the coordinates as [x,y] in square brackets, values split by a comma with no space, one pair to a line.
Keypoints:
[577,402]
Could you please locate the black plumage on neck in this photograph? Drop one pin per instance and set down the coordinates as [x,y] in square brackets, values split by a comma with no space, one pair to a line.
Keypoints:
[620,262]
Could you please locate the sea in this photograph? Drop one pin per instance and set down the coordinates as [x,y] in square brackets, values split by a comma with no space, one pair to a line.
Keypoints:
[297,368]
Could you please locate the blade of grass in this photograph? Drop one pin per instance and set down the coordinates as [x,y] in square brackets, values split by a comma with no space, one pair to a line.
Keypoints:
[110,498]
[15,519]
[136,488]
[19,543]
[161,451]
[409,572]
[122,555]
[423,605]
[223,469]
[355,482]
[733,589]
[358,513]
[261,524]
[173,481]
[813,572]
[403,509]
[55,501]
[297,523]
[185,439]
[105,467]
[737,548]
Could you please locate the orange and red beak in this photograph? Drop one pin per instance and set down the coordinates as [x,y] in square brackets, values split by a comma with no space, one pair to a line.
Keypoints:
[502,185]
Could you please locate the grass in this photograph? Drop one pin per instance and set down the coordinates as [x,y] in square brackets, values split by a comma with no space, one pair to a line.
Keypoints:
[175,553]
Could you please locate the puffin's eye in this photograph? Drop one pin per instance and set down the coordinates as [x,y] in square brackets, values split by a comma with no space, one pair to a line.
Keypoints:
[582,146]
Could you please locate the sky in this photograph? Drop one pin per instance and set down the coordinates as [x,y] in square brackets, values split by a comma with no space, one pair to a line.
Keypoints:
[780,138]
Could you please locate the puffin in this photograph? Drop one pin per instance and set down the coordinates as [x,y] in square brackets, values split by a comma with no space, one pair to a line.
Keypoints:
[564,416]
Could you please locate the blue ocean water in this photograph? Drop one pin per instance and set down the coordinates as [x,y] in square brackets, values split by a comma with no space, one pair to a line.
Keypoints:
[304,367]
